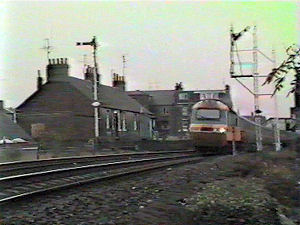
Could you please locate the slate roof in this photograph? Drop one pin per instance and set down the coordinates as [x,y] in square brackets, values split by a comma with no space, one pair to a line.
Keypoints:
[159,97]
[9,129]
[167,97]
[137,92]
[109,97]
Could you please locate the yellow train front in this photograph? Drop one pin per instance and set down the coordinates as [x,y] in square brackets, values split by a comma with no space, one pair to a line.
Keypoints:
[213,124]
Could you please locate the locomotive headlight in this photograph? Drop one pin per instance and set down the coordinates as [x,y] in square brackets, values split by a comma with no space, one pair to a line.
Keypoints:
[222,130]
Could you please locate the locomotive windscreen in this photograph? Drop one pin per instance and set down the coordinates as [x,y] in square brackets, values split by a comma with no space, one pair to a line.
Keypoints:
[204,114]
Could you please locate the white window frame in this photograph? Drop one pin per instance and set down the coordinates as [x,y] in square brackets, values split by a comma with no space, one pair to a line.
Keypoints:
[119,121]
[124,122]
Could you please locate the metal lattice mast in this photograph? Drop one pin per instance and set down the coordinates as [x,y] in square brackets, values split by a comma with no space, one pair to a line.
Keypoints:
[256,93]
[276,125]
[255,76]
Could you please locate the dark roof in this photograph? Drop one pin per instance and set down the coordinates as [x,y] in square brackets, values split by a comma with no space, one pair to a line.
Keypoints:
[137,92]
[205,91]
[159,97]
[167,97]
[9,129]
[109,97]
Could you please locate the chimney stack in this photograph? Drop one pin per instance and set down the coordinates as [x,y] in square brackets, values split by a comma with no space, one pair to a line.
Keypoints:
[227,88]
[57,68]
[89,73]
[119,82]
[39,80]
[179,86]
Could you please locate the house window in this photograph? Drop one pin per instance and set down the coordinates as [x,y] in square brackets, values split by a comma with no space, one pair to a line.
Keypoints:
[107,120]
[183,96]
[135,123]
[185,125]
[124,122]
[165,111]
[119,121]
[185,111]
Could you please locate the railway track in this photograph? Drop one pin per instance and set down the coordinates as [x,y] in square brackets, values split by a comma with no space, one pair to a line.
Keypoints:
[24,185]
[21,167]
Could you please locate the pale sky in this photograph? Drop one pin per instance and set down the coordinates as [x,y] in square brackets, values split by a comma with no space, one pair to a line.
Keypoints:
[165,42]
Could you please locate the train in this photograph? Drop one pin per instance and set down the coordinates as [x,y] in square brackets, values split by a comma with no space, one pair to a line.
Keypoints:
[214,125]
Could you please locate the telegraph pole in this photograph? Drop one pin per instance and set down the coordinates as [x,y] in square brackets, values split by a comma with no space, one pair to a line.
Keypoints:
[96,82]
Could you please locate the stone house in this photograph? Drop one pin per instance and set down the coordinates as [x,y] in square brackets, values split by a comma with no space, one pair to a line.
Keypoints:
[172,108]
[61,110]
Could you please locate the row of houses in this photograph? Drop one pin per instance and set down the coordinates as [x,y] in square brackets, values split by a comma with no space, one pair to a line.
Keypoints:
[172,108]
[61,108]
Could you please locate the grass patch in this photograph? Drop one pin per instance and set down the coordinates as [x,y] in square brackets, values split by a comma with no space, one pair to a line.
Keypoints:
[254,189]
[233,201]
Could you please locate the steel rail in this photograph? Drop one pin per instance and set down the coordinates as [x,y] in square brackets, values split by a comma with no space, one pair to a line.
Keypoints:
[64,182]
[21,165]
[62,170]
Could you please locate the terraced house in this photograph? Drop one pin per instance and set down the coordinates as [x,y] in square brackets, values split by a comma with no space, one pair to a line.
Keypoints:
[172,108]
[61,109]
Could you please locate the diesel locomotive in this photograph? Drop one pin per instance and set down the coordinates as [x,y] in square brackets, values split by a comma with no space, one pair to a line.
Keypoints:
[214,125]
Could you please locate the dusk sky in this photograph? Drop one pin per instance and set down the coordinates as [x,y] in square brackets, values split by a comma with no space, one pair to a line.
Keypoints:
[164,42]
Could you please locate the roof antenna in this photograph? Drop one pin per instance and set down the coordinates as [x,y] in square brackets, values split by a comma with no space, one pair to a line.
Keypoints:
[47,48]
[124,65]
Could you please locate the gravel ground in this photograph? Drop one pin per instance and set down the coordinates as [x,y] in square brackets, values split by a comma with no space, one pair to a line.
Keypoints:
[160,197]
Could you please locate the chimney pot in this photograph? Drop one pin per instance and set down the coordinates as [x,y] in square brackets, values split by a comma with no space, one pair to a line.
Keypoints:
[227,87]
